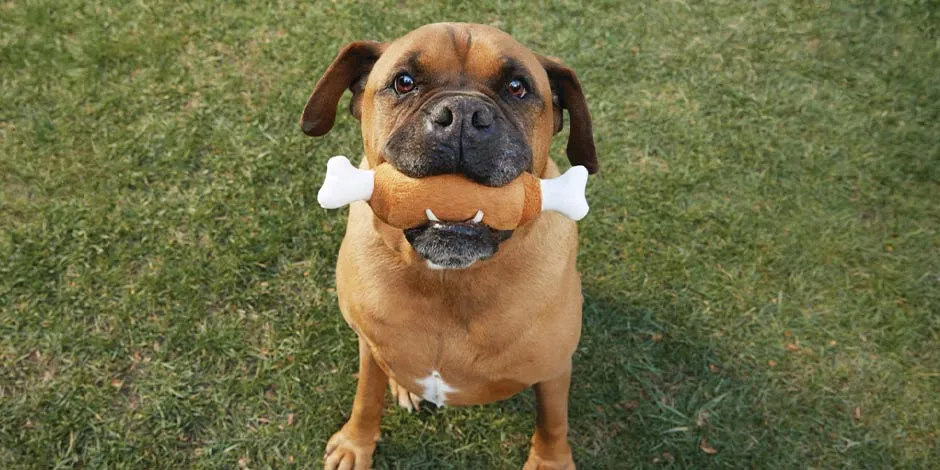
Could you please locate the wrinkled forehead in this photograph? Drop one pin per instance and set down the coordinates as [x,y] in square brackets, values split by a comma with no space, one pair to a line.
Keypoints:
[475,52]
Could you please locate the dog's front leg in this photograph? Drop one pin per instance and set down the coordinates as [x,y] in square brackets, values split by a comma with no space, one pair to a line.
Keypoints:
[351,448]
[550,449]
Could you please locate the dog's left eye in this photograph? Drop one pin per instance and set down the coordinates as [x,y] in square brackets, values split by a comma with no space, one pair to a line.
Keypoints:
[517,88]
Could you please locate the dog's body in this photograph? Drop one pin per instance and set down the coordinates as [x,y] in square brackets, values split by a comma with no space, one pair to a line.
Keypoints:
[490,331]
[507,314]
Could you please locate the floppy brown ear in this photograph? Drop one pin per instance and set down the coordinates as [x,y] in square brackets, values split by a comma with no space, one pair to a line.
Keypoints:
[349,69]
[567,94]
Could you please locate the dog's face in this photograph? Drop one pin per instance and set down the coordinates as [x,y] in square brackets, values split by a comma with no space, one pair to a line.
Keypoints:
[455,98]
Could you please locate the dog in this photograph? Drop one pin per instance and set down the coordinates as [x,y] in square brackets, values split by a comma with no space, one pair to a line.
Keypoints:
[455,312]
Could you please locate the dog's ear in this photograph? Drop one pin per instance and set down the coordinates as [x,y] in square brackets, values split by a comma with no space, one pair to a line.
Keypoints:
[567,94]
[349,69]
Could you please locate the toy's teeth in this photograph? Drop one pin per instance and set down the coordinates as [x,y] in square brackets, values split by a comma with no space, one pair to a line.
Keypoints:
[433,218]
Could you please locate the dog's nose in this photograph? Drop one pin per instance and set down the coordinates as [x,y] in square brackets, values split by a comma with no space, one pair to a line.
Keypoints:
[468,114]
[462,133]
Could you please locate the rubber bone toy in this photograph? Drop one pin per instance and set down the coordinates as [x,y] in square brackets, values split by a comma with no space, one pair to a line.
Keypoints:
[405,202]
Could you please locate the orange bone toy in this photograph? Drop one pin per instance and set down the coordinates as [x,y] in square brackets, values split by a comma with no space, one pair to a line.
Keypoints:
[405,202]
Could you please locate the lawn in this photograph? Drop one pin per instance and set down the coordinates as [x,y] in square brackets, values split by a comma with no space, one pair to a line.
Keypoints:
[761,265]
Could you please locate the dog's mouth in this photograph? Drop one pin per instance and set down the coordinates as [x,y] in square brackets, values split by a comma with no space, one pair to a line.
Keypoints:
[455,245]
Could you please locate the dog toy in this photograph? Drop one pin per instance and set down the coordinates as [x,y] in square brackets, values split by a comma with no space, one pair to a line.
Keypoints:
[406,202]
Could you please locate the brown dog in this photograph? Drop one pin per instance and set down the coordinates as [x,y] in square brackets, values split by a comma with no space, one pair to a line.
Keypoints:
[455,312]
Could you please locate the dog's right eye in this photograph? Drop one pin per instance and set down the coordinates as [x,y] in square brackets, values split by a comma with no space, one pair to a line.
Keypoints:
[404,83]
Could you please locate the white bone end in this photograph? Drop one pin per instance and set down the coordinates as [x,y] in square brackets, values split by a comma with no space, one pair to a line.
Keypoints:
[565,194]
[344,184]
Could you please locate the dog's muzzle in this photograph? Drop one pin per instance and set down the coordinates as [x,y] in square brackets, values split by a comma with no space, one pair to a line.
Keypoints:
[466,134]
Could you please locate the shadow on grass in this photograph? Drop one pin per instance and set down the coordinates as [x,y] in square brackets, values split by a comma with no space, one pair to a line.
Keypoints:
[653,390]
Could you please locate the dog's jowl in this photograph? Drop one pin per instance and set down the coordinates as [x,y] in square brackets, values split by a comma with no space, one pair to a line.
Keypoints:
[455,312]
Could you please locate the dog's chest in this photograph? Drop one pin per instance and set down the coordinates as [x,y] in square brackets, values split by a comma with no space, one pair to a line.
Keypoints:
[448,370]
[467,343]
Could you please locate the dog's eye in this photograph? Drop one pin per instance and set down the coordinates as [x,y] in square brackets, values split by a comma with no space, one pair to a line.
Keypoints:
[404,83]
[517,88]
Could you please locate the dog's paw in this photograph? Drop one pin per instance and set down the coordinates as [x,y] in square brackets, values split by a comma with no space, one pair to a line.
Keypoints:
[537,463]
[403,397]
[345,453]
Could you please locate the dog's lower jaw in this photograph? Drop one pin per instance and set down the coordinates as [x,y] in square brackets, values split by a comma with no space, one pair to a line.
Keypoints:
[454,246]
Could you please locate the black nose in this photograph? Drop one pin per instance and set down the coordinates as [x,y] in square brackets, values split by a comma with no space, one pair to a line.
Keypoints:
[453,113]
[462,133]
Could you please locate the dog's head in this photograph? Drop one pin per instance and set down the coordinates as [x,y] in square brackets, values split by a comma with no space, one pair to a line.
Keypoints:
[455,98]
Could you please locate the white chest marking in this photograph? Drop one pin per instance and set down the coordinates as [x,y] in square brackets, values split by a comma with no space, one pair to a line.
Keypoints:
[435,389]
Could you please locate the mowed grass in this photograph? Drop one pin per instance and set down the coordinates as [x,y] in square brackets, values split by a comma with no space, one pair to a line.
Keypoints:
[761,265]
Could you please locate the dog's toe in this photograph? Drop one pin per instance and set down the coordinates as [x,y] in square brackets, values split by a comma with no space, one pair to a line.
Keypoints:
[557,459]
[535,463]
[344,453]
[403,397]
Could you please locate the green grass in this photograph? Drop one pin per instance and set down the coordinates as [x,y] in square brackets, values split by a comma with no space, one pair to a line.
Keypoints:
[761,265]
